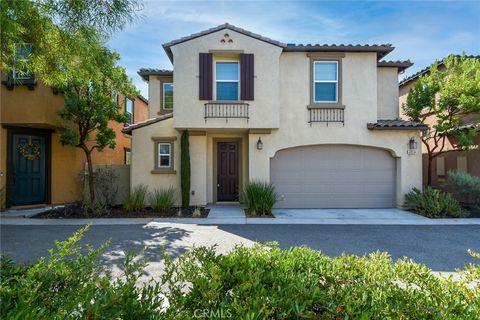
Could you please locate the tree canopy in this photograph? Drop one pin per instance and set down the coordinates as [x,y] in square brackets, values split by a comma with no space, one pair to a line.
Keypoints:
[451,99]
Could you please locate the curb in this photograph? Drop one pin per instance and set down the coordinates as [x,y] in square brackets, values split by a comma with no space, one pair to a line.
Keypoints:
[237,220]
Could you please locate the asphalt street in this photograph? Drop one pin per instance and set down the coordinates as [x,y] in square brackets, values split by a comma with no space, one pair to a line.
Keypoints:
[442,248]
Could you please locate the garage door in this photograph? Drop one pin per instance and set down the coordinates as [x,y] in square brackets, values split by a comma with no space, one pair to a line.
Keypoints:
[334,177]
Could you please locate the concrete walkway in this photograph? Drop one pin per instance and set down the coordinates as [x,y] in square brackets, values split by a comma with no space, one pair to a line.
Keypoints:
[232,213]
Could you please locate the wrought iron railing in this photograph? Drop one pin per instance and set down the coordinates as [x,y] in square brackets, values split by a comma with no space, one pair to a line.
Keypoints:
[226,110]
[327,115]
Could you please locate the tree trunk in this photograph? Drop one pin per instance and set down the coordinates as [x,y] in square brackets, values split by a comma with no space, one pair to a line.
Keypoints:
[429,169]
[91,187]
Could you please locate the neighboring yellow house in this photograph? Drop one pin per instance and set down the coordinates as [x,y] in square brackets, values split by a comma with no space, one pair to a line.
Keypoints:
[320,122]
[34,168]
[451,160]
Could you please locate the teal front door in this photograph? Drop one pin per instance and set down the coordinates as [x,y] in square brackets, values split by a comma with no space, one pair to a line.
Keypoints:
[28,169]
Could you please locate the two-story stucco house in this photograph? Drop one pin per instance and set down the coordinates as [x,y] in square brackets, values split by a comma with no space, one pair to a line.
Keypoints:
[320,122]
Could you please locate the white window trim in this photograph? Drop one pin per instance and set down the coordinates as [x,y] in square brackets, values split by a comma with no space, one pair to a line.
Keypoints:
[169,154]
[163,93]
[232,81]
[325,81]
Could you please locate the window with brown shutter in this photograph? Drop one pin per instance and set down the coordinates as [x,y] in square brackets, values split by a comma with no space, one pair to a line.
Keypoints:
[205,76]
[246,76]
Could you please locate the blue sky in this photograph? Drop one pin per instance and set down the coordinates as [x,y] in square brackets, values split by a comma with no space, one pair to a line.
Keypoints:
[421,31]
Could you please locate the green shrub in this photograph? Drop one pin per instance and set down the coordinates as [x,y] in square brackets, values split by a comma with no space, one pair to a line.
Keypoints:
[301,283]
[465,188]
[135,201]
[162,198]
[70,284]
[259,197]
[433,203]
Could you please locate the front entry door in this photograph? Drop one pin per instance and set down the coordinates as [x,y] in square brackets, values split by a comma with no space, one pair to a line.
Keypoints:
[28,169]
[227,171]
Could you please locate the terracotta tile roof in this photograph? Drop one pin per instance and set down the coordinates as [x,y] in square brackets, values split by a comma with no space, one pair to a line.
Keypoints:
[145,72]
[396,124]
[141,124]
[401,65]
[427,69]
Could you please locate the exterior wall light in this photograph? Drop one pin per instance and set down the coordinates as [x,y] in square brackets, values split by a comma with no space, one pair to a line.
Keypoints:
[259,144]
[412,146]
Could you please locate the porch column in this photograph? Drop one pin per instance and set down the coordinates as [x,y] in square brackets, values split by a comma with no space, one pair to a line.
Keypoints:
[198,165]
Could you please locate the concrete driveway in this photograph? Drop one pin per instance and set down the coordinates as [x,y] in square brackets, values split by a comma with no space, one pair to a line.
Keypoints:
[442,248]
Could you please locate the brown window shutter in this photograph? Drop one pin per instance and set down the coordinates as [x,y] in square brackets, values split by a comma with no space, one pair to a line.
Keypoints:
[205,76]
[246,76]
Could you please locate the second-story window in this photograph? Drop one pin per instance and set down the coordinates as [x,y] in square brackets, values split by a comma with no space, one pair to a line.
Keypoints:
[325,81]
[227,80]
[168,96]
[129,110]
[22,55]
[115,97]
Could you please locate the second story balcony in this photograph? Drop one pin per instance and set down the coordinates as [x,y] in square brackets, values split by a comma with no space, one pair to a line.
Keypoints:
[226,110]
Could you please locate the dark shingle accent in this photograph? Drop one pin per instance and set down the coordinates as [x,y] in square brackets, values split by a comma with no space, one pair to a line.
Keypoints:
[401,65]
[427,69]
[381,49]
[143,98]
[396,124]
[167,45]
[130,128]
[146,72]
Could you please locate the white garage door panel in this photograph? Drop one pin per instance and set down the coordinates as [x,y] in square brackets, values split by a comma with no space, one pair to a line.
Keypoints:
[334,177]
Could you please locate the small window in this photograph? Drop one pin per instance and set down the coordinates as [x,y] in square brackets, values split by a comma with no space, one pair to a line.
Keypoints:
[164,155]
[168,96]
[164,159]
[20,68]
[129,110]
[227,81]
[325,81]
[127,156]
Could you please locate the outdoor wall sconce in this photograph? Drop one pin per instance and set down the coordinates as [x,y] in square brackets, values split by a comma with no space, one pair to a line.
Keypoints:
[412,145]
[259,144]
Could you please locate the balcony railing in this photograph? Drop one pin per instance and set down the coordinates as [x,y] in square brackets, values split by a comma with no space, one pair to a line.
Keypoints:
[226,110]
[327,115]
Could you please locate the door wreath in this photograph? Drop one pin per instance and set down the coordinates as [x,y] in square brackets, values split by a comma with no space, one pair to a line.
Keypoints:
[30,151]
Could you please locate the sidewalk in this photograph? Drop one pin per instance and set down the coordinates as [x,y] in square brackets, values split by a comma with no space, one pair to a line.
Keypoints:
[231,213]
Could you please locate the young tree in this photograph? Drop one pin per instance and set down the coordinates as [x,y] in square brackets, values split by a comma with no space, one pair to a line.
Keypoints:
[89,106]
[446,97]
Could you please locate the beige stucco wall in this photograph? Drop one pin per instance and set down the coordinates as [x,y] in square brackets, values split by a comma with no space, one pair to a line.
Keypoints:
[189,110]
[387,93]
[155,98]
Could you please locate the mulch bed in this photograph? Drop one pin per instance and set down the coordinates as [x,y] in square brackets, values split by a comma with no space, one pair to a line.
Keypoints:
[249,215]
[474,214]
[76,212]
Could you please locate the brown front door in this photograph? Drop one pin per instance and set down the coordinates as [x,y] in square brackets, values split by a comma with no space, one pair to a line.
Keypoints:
[227,171]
